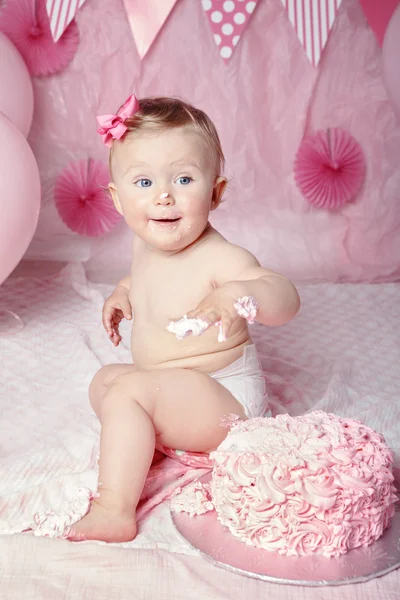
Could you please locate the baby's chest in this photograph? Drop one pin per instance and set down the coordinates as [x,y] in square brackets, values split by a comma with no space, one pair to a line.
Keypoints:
[167,294]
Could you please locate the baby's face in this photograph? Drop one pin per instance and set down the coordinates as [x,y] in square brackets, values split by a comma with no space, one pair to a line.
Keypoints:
[163,183]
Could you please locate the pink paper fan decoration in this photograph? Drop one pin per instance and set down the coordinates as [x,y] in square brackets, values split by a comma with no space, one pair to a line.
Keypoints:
[81,198]
[329,168]
[26,24]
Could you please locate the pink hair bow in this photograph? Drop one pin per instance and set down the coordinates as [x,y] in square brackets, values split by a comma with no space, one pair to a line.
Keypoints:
[112,127]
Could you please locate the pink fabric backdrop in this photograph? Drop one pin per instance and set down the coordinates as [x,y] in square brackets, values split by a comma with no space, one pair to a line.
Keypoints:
[262,102]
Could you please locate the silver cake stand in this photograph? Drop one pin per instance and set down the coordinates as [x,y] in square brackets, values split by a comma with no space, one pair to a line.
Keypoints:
[216,544]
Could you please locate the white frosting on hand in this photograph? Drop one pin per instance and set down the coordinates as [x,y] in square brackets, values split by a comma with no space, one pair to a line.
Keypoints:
[221,335]
[187,326]
[247,307]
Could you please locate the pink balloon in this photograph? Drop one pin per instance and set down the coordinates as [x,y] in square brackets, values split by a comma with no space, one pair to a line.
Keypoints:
[16,92]
[19,196]
[391,59]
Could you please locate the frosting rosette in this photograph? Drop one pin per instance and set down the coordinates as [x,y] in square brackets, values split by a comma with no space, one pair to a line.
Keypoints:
[315,484]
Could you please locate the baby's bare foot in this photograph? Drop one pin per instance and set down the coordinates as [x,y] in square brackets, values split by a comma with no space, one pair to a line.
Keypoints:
[105,524]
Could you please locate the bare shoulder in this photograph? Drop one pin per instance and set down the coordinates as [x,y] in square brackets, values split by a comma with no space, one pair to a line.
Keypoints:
[228,261]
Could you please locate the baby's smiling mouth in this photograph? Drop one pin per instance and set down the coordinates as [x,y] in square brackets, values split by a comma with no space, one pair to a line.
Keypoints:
[167,223]
[167,220]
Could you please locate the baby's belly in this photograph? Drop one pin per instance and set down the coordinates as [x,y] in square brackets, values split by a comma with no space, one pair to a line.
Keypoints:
[154,348]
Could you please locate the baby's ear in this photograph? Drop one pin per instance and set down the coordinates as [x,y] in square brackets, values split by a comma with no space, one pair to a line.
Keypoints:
[218,191]
[114,195]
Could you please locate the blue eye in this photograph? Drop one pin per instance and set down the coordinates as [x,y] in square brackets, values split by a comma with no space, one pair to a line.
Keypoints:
[184,180]
[143,183]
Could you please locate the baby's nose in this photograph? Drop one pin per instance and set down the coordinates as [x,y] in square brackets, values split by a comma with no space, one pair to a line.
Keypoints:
[165,199]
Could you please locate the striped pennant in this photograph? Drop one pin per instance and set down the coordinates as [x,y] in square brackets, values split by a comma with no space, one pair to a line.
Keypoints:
[312,20]
[61,13]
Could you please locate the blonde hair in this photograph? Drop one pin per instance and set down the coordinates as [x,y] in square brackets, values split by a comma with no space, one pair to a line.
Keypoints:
[167,113]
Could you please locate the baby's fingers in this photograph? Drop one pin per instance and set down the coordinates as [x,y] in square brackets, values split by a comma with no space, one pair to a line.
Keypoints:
[195,314]
[225,325]
[126,308]
[107,318]
[210,316]
[115,338]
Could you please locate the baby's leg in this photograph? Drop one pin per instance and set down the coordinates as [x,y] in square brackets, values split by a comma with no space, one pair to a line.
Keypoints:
[180,408]
[100,384]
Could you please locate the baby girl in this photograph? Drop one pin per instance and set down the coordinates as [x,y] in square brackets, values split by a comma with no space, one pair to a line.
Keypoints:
[166,166]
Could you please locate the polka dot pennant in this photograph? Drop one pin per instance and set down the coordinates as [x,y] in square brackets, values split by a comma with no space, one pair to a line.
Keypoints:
[228,19]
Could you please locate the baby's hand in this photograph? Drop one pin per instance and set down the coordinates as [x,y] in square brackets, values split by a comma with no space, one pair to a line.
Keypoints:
[116,307]
[217,308]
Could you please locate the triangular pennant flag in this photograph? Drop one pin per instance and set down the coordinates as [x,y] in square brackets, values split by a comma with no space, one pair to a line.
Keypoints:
[61,13]
[379,15]
[312,20]
[146,18]
[228,19]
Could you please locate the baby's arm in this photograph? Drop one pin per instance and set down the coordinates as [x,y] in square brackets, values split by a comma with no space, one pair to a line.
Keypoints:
[238,274]
[277,297]
[125,282]
[117,307]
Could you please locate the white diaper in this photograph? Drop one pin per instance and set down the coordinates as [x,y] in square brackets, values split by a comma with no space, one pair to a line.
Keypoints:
[244,379]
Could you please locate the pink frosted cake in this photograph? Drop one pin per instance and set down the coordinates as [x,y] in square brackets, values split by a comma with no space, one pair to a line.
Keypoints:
[316,484]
